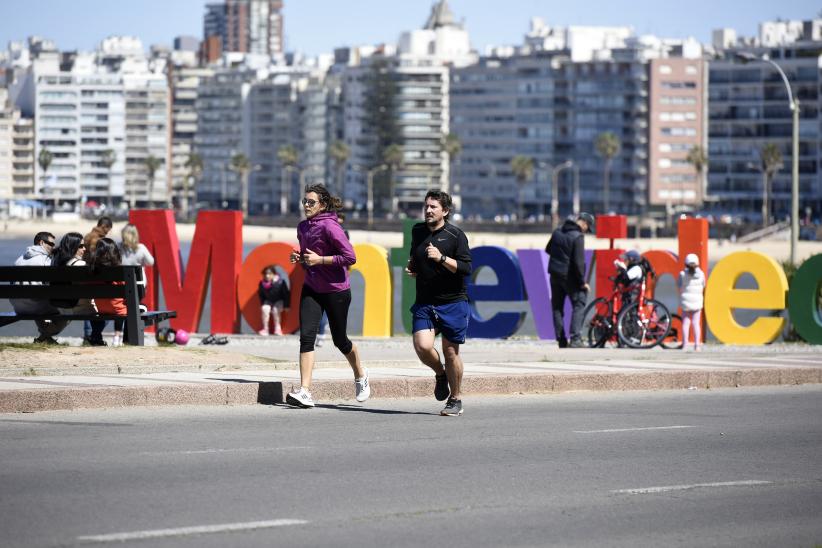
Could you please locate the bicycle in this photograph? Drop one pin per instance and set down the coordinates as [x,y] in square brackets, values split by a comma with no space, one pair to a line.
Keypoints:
[600,317]
[641,323]
[672,340]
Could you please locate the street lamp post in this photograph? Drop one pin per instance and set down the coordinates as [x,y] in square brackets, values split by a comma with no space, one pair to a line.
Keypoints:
[793,103]
[576,189]
[555,171]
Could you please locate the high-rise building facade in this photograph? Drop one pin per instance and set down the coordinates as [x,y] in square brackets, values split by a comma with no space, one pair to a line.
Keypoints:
[749,108]
[548,108]
[223,130]
[184,84]
[401,97]
[99,116]
[6,137]
[677,102]
[147,152]
[246,26]
[22,160]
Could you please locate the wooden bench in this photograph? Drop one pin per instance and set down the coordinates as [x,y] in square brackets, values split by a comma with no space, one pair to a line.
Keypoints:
[78,282]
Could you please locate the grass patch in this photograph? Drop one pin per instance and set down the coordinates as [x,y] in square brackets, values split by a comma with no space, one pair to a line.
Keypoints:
[30,372]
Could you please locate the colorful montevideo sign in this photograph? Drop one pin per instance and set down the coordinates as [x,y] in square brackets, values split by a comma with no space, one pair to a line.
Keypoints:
[216,257]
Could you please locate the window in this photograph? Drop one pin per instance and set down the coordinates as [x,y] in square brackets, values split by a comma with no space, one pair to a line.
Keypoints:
[676,116]
[679,85]
[665,69]
[674,100]
[679,131]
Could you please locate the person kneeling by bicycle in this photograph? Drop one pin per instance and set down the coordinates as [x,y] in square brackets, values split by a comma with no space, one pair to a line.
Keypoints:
[632,270]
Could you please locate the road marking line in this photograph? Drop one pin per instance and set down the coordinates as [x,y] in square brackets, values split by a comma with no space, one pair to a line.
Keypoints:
[676,427]
[218,450]
[194,530]
[666,488]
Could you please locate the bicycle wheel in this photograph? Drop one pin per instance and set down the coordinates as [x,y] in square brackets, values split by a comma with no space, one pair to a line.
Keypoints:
[643,328]
[673,340]
[597,325]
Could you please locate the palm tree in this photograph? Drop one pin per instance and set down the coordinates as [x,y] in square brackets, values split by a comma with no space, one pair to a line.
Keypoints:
[241,165]
[453,148]
[699,160]
[194,165]
[770,158]
[523,168]
[44,159]
[339,153]
[393,157]
[289,157]
[152,164]
[607,146]
[108,159]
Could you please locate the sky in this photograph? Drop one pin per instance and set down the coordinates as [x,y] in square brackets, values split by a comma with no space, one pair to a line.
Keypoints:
[318,26]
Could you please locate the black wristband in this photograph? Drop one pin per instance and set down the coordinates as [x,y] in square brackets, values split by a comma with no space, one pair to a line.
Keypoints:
[442,258]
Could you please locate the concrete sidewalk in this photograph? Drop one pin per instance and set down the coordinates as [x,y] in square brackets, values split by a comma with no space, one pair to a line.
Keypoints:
[269,370]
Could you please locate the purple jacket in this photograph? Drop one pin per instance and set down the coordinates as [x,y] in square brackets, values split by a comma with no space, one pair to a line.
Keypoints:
[323,235]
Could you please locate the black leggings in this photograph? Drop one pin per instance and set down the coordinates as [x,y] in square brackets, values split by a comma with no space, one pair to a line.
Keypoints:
[335,305]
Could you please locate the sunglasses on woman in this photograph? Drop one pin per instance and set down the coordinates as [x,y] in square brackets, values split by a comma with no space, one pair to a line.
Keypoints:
[309,203]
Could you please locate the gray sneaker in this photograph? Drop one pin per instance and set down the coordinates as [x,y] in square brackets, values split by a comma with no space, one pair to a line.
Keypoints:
[441,390]
[453,408]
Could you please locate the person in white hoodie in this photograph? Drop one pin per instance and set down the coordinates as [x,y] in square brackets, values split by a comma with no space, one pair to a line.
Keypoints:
[39,254]
[691,285]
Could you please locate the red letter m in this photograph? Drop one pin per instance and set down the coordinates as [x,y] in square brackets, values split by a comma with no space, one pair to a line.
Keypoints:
[216,252]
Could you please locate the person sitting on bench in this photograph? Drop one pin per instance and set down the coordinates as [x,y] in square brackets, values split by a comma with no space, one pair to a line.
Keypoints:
[39,254]
[70,253]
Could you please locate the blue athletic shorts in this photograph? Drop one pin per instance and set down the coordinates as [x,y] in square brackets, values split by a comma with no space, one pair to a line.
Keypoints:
[449,319]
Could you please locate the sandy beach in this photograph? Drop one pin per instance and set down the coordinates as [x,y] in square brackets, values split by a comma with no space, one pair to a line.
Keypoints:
[778,249]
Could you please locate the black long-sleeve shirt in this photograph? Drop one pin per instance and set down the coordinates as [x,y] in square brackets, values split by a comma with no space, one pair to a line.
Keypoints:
[435,283]
[567,251]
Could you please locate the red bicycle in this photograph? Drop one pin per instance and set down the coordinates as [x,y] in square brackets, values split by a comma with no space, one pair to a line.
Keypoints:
[637,323]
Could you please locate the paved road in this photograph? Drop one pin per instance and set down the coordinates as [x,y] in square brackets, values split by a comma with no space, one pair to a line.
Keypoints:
[734,467]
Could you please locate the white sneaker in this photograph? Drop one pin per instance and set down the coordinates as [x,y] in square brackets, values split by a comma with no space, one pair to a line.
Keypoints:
[362,388]
[300,398]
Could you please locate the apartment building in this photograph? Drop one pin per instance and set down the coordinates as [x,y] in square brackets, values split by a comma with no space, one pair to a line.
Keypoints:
[546,107]
[6,136]
[22,157]
[247,26]
[677,103]
[748,108]
[184,82]
[147,140]
[223,122]
[411,87]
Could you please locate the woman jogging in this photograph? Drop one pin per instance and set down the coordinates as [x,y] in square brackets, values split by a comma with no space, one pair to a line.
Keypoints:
[325,254]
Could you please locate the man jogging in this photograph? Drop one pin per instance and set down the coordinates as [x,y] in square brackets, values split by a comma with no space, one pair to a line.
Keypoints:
[566,248]
[440,261]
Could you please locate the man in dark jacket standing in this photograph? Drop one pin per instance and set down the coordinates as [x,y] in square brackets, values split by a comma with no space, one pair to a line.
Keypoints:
[566,248]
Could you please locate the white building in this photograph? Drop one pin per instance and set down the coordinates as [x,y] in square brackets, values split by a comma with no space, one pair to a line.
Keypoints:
[223,122]
[98,116]
[184,81]
[414,84]
[6,137]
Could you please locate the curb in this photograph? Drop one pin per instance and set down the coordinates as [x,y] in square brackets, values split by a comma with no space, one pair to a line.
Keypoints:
[238,392]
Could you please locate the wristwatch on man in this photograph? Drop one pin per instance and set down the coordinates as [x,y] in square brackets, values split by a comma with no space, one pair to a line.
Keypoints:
[442,258]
